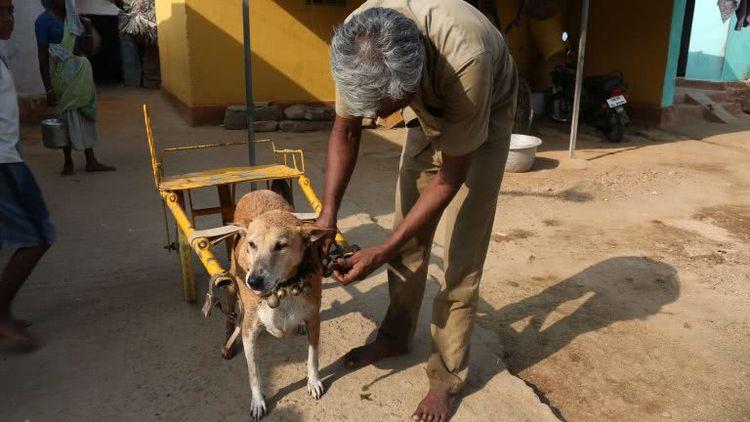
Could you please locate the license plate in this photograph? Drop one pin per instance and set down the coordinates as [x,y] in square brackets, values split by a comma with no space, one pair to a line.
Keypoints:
[617,101]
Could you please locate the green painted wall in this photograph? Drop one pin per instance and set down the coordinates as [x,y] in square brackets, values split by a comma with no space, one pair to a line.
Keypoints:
[673,54]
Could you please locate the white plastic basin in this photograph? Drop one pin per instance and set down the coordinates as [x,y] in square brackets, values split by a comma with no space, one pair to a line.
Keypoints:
[522,153]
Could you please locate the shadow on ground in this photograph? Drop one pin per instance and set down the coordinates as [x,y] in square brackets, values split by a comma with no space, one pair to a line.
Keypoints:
[617,289]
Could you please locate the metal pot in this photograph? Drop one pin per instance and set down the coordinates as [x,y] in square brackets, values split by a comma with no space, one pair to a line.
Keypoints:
[55,134]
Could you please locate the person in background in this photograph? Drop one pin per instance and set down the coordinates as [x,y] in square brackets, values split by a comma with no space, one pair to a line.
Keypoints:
[24,221]
[63,39]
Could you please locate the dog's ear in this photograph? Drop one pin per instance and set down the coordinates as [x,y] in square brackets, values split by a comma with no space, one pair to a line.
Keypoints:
[312,233]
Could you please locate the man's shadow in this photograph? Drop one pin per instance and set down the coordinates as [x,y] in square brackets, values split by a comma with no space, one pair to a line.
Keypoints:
[616,289]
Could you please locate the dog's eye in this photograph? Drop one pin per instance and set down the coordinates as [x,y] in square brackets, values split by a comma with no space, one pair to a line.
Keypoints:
[280,245]
[251,244]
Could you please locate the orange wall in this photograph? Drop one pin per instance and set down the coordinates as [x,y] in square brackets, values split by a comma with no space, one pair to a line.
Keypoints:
[174,51]
[202,57]
[201,45]
[632,37]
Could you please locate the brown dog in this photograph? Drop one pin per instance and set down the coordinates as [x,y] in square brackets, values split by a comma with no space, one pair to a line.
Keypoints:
[278,290]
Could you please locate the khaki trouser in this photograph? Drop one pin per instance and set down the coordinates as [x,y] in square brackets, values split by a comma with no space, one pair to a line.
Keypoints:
[468,226]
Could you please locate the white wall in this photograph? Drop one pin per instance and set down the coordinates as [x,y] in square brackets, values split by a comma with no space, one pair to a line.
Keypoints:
[20,51]
[95,7]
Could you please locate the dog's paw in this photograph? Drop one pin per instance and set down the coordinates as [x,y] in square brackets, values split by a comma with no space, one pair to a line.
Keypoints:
[315,388]
[257,409]
[228,353]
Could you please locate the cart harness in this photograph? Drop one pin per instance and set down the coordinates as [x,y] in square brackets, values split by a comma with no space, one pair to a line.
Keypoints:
[298,283]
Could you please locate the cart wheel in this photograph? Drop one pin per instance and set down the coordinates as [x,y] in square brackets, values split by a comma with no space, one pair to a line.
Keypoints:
[524,111]
[284,188]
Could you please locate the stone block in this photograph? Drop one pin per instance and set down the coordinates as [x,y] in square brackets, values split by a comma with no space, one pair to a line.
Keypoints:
[265,111]
[305,125]
[307,112]
[265,125]
[393,121]
[320,113]
[295,112]
[368,122]
[235,117]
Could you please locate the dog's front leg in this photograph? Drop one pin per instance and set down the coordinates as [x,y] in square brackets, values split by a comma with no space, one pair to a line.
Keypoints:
[249,338]
[314,384]
[228,349]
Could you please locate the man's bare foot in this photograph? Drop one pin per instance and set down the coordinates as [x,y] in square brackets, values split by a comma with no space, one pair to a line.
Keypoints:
[13,332]
[68,169]
[368,354]
[97,166]
[434,407]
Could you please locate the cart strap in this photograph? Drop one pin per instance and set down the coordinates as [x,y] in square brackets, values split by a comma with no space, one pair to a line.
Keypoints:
[306,216]
[216,234]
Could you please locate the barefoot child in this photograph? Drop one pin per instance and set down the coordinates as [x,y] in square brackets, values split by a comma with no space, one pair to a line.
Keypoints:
[24,222]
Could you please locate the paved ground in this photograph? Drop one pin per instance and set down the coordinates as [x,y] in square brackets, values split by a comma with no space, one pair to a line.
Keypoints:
[616,289]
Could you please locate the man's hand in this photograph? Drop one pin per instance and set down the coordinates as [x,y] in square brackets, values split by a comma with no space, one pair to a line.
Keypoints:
[320,248]
[359,265]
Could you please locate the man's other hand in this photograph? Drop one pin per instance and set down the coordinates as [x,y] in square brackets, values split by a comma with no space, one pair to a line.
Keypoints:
[319,249]
[358,266]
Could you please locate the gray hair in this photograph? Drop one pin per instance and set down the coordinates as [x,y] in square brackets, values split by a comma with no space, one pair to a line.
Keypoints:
[376,56]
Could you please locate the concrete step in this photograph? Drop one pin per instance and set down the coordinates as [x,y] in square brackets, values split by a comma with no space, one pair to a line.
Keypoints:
[691,113]
[724,96]
[733,107]
[713,85]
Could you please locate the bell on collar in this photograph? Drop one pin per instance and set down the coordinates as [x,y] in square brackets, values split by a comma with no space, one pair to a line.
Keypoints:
[272,301]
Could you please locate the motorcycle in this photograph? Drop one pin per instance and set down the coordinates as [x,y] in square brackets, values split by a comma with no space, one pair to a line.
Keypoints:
[603,98]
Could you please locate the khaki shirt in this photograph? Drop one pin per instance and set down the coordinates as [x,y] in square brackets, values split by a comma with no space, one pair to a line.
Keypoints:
[468,77]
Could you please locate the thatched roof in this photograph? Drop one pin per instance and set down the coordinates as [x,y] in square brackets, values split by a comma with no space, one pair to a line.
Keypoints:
[139,19]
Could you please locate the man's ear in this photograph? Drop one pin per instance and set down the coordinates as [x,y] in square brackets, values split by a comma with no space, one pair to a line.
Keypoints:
[312,233]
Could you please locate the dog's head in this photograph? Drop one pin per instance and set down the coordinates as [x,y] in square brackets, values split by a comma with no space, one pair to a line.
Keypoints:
[274,245]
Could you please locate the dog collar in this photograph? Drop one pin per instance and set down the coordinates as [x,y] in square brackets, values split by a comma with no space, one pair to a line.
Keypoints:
[298,283]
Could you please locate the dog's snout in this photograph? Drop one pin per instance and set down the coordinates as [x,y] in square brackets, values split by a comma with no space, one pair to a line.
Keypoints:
[255,282]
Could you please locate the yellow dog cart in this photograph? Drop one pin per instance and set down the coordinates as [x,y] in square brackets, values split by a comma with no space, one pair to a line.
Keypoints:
[288,165]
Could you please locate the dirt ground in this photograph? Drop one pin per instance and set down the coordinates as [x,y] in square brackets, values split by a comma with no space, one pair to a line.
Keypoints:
[617,287]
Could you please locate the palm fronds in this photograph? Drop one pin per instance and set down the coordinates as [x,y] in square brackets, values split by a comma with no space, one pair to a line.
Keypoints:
[138,19]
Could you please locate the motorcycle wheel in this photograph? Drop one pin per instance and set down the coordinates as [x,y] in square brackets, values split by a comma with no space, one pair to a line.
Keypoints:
[524,111]
[613,129]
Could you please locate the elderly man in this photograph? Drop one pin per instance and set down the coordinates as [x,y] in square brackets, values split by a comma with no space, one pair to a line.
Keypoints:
[449,70]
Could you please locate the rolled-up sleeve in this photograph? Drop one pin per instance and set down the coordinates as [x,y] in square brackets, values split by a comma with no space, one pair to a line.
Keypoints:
[468,104]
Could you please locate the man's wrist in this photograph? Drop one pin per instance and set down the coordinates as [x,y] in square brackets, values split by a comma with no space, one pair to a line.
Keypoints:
[327,217]
[385,251]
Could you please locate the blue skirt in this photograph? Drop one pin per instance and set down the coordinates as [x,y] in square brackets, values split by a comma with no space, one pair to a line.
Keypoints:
[24,219]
